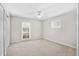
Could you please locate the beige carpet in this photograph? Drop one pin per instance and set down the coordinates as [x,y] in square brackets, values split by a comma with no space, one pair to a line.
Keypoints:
[39,48]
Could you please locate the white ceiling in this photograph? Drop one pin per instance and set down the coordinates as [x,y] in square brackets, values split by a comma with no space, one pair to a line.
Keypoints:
[47,9]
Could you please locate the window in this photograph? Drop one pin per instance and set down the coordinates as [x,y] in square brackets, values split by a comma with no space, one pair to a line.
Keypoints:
[25,30]
[56,24]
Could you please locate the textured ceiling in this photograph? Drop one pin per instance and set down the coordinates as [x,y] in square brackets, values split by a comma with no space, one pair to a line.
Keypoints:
[31,9]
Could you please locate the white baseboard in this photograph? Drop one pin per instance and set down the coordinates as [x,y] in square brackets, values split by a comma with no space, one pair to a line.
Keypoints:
[62,43]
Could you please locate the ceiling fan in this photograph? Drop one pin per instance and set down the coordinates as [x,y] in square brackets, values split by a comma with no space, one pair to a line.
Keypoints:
[39,14]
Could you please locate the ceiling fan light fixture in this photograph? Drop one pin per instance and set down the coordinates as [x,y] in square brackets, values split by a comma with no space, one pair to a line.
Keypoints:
[39,14]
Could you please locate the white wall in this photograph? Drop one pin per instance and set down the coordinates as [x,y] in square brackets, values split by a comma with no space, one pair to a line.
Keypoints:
[66,34]
[16,26]
[1,30]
